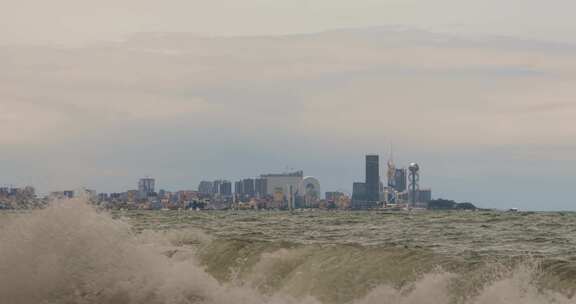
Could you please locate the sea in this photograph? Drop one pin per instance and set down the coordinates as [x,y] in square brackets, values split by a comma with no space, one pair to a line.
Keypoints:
[72,252]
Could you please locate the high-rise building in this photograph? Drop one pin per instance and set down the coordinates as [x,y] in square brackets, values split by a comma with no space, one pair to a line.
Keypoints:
[225,188]
[239,188]
[359,191]
[146,187]
[372,178]
[260,187]
[400,178]
[205,187]
[366,195]
[249,187]
[216,186]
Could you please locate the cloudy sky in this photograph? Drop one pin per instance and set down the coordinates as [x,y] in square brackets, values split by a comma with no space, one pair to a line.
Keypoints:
[98,93]
[84,20]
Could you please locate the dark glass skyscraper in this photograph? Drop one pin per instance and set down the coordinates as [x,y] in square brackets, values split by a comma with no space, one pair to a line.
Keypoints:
[400,176]
[372,178]
[359,191]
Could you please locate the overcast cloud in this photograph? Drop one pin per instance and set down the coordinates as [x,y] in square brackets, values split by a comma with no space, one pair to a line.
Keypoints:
[489,118]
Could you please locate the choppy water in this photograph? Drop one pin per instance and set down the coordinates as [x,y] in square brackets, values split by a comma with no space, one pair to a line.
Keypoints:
[70,253]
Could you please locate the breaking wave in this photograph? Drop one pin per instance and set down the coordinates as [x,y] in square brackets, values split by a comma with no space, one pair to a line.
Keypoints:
[71,253]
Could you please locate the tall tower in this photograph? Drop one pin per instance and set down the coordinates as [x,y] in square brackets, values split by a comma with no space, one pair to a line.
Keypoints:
[146,187]
[372,178]
[414,182]
[391,174]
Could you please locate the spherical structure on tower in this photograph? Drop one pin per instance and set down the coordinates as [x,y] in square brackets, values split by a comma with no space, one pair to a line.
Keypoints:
[414,179]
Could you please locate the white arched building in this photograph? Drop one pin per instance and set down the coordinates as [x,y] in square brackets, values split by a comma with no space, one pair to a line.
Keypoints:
[307,187]
[311,190]
[281,183]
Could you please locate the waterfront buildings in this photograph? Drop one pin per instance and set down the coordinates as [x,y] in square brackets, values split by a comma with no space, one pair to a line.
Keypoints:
[273,191]
[366,195]
[205,187]
[277,184]
[372,178]
[245,187]
[238,188]
[400,179]
[248,187]
[260,187]
[337,199]
[358,191]
[61,194]
[279,190]
[225,188]
[418,198]
[311,191]
[216,187]
[14,198]
[403,188]
[333,195]
[146,187]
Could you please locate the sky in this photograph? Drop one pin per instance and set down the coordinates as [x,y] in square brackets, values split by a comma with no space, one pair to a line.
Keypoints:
[74,21]
[481,94]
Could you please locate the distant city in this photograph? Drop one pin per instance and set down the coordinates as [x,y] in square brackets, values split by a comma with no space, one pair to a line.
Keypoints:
[284,191]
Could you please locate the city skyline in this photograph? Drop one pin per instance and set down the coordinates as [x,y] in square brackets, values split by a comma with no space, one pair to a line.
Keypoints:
[279,191]
[486,110]
[148,182]
[345,187]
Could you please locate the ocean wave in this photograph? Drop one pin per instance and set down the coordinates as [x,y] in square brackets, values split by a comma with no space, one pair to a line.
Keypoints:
[71,253]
